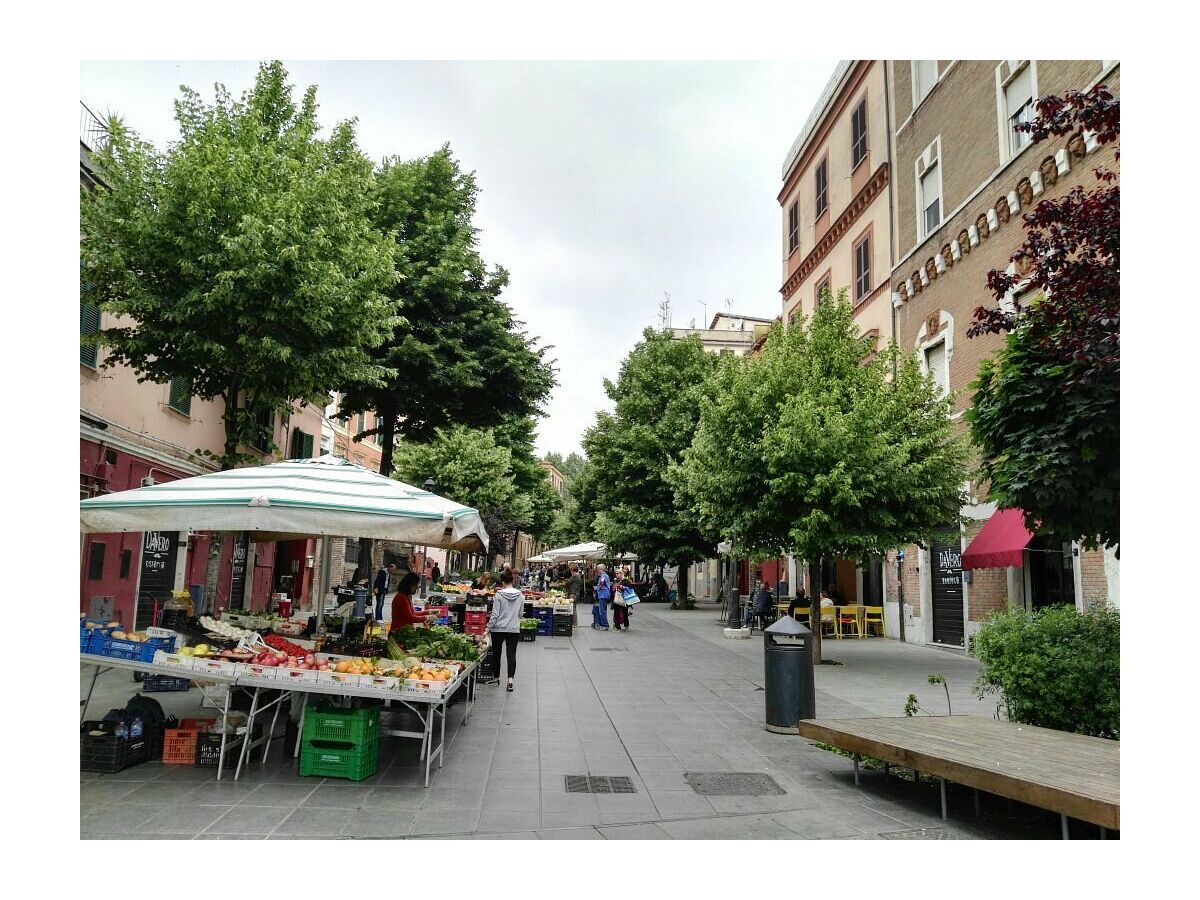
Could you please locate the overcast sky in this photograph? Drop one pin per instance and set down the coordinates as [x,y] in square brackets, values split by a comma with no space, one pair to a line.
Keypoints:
[602,185]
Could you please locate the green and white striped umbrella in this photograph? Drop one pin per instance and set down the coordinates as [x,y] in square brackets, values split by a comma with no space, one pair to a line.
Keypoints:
[291,499]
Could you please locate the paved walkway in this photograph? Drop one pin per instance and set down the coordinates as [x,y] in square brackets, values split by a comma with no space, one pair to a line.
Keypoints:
[667,698]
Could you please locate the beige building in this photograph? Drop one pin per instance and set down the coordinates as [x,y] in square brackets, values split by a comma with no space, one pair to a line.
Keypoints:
[835,201]
[963,180]
[728,333]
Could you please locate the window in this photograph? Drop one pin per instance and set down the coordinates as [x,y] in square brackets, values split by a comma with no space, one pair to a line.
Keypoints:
[1018,108]
[824,290]
[822,179]
[351,555]
[931,200]
[362,423]
[96,561]
[862,268]
[793,315]
[89,323]
[793,227]
[265,434]
[858,131]
[179,396]
[935,364]
[126,562]
[302,445]
[924,77]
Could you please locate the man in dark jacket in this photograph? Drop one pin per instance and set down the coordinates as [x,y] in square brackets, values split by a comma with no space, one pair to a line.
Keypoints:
[380,588]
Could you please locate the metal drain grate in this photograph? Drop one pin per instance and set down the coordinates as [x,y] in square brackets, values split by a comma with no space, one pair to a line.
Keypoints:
[555,647]
[609,649]
[599,784]
[925,834]
[733,784]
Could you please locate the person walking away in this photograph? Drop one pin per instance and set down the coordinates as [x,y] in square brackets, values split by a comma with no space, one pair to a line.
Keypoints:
[382,580]
[504,624]
[402,605]
[761,605]
[436,577]
[603,594]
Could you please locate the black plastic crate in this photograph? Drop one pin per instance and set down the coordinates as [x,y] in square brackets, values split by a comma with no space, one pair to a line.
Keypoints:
[152,684]
[563,629]
[208,749]
[529,635]
[109,752]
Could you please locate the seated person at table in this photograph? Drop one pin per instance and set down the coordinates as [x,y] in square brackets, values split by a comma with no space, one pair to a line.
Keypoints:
[760,606]
[799,602]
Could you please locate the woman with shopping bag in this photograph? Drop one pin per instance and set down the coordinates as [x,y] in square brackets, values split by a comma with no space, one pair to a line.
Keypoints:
[624,597]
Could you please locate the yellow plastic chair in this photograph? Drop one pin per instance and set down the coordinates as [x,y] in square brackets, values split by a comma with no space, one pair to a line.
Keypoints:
[803,615]
[847,617]
[873,616]
[829,617]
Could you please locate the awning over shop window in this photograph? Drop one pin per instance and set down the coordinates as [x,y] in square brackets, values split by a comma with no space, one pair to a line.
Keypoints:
[1000,543]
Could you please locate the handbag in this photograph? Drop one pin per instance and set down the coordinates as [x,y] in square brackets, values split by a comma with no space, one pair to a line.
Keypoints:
[629,597]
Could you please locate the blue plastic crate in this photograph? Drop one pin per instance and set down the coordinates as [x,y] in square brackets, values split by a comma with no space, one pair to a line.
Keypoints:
[137,651]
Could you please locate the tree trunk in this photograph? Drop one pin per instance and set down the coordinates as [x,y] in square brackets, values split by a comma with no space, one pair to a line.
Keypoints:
[682,584]
[386,422]
[815,619]
[217,538]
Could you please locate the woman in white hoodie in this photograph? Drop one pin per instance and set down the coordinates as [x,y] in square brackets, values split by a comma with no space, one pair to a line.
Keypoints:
[504,624]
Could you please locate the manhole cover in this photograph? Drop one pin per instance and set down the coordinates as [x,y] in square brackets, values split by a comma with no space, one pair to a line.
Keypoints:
[607,649]
[924,834]
[733,784]
[599,784]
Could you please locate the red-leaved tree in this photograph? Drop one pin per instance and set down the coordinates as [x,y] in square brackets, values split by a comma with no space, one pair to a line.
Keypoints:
[1045,415]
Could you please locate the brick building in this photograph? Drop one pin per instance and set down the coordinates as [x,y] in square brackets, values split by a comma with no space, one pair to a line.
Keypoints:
[963,179]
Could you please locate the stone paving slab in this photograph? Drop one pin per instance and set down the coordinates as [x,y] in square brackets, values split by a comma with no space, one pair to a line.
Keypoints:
[679,699]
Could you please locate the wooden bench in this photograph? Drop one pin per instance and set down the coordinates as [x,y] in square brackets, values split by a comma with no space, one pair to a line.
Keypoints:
[1071,774]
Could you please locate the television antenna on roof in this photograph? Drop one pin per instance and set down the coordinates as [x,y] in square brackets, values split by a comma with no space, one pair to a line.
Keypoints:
[664,311]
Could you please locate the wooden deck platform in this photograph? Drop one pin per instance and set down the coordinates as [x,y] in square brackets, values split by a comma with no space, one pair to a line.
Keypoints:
[1070,774]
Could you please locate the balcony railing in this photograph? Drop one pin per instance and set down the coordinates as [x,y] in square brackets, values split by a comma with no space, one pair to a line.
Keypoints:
[93,133]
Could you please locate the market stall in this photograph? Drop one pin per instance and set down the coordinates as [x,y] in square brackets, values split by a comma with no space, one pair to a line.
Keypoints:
[322,497]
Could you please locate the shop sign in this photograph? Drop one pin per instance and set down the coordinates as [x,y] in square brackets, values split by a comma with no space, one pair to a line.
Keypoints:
[157,576]
[237,584]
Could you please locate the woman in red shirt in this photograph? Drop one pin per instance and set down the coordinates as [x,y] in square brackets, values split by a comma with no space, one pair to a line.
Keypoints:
[402,606]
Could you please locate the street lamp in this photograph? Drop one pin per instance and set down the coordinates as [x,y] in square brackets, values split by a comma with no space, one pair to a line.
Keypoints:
[429,486]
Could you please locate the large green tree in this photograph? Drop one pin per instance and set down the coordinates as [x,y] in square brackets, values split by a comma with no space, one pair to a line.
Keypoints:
[816,448]
[458,355]
[243,259]
[656,400]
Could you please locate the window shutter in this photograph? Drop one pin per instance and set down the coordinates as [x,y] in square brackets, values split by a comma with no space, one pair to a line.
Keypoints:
[307,449]
[179,397]
[296,450]
[1019,90]
[935,361]
[89,323]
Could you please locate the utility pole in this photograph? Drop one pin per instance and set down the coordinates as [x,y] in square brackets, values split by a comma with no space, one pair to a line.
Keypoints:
[900,587]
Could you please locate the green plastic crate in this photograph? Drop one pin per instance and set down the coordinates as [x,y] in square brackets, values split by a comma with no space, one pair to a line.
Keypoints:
[336,759]
[359,727]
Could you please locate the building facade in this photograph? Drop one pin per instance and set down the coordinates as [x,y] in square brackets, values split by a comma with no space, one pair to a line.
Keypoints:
[963,180]
[729,334]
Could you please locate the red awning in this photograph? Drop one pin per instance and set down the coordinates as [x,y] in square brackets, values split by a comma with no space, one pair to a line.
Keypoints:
[1000,543]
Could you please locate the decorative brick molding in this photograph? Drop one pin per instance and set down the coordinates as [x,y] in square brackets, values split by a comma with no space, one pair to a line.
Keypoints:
[837,230]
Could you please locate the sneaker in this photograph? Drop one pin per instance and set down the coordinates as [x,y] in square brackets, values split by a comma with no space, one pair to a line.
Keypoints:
[604,628]
[510,688]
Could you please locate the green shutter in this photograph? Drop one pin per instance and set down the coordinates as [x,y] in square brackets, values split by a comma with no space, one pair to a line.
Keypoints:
[89,323]
[307,450]
[302,445]
[180,396]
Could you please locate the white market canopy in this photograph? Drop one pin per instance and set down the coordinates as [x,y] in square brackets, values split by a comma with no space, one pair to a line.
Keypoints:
[540,558]
[588,550]
[296,498]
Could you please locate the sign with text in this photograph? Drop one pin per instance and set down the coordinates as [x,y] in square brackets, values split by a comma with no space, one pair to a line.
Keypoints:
[237,584]
[157,578]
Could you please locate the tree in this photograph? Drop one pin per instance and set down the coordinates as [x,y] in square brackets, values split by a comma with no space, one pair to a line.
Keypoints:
[1046,410]
[241,260]
[459,354]
[814,448]
[656,407]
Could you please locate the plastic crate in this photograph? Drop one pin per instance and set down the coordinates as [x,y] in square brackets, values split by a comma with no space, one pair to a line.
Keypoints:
[208,750]
[336,759]
[138,651]
[528,635]
[109,752]
[350,726]
[563,629]
[179,746]
[163,684]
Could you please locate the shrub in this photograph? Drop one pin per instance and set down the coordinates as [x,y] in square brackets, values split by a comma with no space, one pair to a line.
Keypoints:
[1055,668]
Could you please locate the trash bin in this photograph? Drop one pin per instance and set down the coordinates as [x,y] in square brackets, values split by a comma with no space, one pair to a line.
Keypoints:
[361,593]
[788,670]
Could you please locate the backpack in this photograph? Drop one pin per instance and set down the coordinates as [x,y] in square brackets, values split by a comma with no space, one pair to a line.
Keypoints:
[148,709]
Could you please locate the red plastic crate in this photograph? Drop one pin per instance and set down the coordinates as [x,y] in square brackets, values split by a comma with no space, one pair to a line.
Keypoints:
[179,746]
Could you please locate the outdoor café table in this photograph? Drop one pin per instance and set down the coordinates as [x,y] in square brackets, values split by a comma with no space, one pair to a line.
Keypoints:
[427,707]
[104,663]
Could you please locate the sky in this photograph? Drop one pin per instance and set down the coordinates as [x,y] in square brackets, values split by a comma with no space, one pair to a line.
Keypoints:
[603,185]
